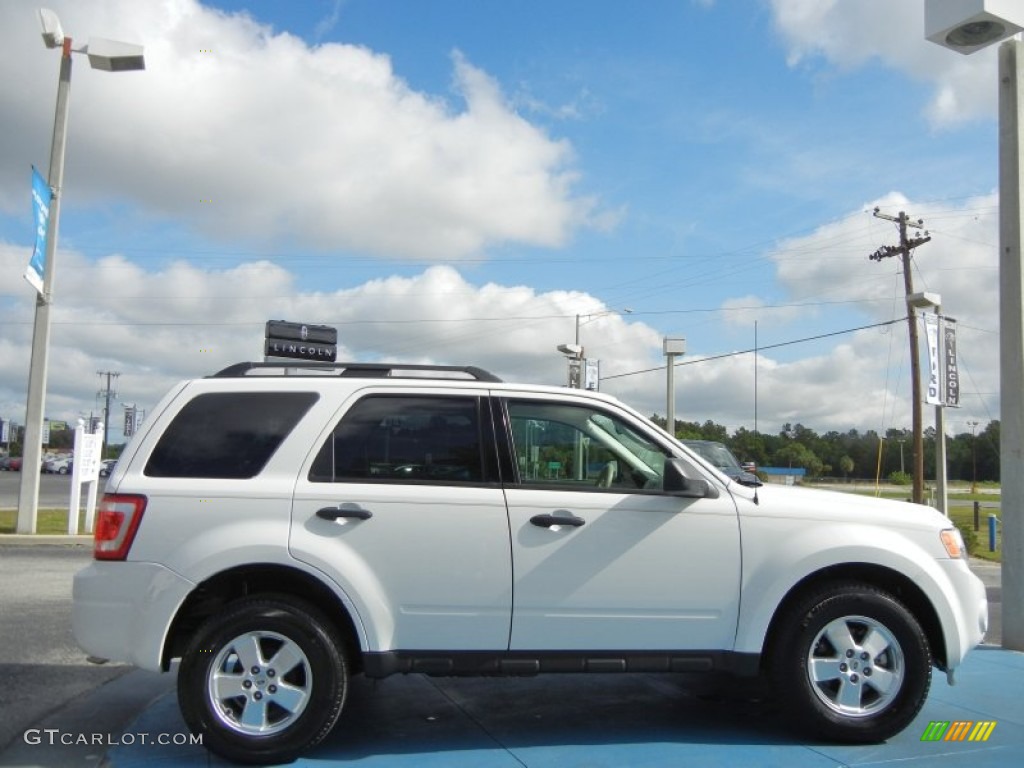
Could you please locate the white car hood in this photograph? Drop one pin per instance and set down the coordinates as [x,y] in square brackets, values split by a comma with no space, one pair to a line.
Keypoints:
[814,504]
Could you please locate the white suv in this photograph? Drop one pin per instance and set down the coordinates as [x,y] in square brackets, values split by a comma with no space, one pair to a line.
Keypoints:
[281,527]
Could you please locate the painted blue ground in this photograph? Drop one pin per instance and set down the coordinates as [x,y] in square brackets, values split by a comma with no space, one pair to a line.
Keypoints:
[597,721]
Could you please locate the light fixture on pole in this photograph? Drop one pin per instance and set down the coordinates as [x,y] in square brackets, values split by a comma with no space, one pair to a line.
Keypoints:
[924,301]
[672,348]
[110,56]
[966,26]
[583,373]
[574,357]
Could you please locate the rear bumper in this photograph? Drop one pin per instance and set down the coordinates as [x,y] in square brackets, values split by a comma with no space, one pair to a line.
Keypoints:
[121,611]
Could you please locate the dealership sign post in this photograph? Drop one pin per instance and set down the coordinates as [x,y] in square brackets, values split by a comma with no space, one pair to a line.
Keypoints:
[85,468]
[944,374]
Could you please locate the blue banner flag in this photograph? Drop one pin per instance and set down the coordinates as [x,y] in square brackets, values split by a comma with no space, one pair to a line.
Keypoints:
[42,195]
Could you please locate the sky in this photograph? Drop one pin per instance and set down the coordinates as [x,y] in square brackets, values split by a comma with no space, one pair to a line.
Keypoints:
[467,182]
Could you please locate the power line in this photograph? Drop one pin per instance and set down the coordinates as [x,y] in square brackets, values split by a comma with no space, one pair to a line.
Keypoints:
[756,349]
[418,321]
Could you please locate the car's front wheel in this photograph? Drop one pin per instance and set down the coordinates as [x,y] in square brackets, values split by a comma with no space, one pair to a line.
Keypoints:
[263,680]
[851,663]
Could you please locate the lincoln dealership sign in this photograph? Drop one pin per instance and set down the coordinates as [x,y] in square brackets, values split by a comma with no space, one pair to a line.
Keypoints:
[301,342]
[944,373]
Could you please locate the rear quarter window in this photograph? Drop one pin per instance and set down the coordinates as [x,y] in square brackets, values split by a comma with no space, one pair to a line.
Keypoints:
[229,435]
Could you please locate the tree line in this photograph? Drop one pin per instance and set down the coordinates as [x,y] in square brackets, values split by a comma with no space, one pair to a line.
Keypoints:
[854,454]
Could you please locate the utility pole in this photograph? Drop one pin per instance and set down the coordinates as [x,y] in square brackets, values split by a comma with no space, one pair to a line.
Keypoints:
[106,393]
[904,249]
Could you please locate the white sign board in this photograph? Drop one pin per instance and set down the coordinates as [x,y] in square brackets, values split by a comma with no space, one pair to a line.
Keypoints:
[85,469]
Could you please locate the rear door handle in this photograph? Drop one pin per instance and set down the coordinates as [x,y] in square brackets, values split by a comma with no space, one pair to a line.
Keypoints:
[562,517]
[347,510]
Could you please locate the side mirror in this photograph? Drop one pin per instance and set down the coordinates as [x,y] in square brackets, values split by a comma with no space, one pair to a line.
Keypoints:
[681,479]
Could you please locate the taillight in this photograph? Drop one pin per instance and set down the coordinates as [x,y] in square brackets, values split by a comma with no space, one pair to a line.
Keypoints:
[116,523]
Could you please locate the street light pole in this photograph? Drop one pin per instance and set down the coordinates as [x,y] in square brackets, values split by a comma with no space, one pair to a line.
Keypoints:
[111,56]
[966,28]
[673,348]
[32,447]
[574,352]
[1011,340]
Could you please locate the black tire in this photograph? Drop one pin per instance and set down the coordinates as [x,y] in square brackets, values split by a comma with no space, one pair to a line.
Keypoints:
[287,695]
[851,663]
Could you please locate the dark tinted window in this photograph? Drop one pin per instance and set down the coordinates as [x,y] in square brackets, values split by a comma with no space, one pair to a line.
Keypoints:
[227,435]
[393,438]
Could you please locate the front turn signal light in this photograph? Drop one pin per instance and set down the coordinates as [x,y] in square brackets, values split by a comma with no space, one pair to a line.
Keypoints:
[954,543]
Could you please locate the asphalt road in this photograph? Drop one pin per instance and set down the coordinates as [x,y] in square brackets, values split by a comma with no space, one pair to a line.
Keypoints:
[54,490]
[41,668]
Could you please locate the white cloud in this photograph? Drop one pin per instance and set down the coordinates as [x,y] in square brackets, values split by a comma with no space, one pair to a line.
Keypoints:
[248,134]
[960,263]
[158,327]
[850,34]
[329,146]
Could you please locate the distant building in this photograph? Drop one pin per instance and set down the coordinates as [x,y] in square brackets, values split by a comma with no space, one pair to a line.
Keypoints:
[783,475]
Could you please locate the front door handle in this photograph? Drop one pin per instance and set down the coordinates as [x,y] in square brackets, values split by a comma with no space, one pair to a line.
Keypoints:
[562,517]
[347,510]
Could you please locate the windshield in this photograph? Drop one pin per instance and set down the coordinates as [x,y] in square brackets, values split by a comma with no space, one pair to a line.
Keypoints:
[716,453]
[722,458]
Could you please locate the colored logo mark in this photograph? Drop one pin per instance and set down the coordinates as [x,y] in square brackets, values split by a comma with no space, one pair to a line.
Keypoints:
[958,730]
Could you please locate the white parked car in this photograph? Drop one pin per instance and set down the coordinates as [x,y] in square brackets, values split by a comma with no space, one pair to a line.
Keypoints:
[61,465]
[281,533]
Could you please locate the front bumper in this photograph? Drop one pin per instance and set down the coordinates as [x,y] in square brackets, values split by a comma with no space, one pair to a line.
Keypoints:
[121,611]
[971,604]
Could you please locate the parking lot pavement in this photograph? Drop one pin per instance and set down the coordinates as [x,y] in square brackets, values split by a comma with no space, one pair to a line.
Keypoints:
[614,720]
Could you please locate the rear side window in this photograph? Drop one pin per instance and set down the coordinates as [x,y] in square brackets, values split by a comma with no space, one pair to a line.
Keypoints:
[393,438]
[229,435]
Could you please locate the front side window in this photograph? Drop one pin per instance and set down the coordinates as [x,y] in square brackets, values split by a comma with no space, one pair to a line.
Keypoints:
[227,435]
[391,438]
[582,448]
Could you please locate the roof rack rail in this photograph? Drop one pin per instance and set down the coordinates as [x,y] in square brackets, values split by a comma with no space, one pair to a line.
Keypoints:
[357,370]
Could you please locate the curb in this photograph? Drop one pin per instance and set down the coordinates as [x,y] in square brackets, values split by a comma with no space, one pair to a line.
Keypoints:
[51,539]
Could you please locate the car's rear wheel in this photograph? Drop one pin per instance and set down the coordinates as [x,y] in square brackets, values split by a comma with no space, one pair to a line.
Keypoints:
[263,680]
[851,663]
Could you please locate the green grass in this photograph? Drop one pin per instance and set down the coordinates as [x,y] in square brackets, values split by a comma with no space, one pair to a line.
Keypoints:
[48,521]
